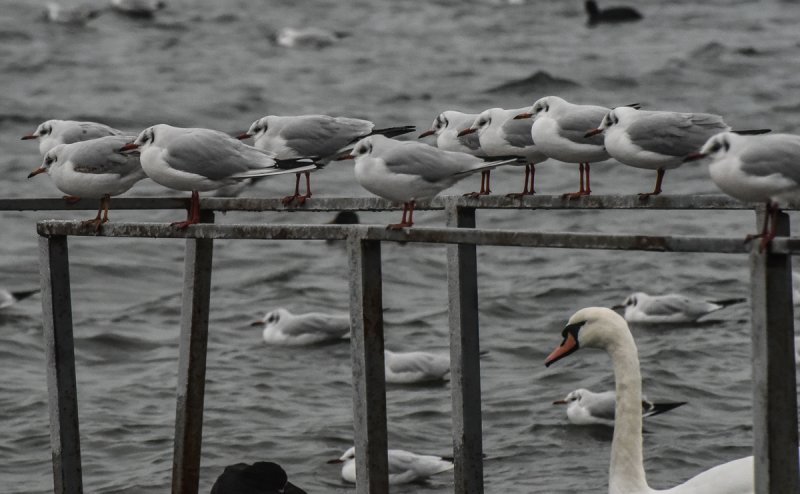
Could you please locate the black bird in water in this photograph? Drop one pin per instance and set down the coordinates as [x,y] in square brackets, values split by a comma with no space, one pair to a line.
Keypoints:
[610,14]
[262,477]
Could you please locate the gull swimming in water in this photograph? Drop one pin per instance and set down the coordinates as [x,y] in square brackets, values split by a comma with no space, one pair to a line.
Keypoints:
[640,307]
[585,407]
[281,327]
[415,367]
[404,466]
[9,298]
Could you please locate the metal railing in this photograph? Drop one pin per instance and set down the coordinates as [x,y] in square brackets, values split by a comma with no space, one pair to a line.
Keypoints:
[774,381]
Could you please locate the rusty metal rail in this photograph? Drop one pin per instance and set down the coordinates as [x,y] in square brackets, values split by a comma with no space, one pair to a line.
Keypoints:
[774,382]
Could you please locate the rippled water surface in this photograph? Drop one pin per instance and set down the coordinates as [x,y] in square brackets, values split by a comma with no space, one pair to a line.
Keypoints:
[211,64]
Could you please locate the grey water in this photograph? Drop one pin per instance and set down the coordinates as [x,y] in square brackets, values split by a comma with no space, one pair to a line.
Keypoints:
[211,64]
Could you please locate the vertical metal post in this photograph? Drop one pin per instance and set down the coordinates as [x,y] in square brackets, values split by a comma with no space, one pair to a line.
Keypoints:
[369,380]
[192,363]
[465,372]
[774,382]
[59,349]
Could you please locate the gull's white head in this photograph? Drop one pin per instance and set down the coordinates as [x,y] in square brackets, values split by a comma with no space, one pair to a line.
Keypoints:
[544,106]
[484,120]
[365,146]
[592,327]
[44,129]
[717,146]
[572,397]
[50,160]
[146,138]
[275,318]
[257,128]
[440,123]
[615,116]
[350,454]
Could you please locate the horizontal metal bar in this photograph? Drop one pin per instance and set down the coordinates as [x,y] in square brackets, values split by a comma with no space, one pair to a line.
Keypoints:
[686,202]
[428,235]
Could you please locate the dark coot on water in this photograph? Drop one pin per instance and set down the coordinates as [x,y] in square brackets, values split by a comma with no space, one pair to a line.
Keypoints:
[262,477]
[610,14]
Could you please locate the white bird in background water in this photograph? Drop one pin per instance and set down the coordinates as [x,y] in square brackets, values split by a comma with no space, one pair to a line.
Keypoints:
[410,171]
[77,15]
[501,135]
[559,130]
[320,137]
[94,169]
[658,140]
[9,298]
[640,307]
[597,327]
[196,160]
[415,367]
[446,127]
[759,168]
[585,407]
[307,37]
[404,466]
[54,132]
[281,327]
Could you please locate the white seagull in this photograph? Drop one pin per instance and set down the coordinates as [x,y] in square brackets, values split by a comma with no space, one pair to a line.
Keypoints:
[404,466]
[597,327]
[559,130]
[501,134]
[95,169]
[54,132]
[281,327]
[640,307]
[446,127]
[321,137]
[410,171]
[658,140]
[9,298]
[203,159]
[585,407]
[415,367]
[760,168]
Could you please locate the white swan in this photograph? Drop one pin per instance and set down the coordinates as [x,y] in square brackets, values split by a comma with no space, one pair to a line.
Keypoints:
[597,327]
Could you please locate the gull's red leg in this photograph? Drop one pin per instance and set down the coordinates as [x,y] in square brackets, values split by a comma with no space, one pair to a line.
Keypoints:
[657,189]
[288,199]
[193,216]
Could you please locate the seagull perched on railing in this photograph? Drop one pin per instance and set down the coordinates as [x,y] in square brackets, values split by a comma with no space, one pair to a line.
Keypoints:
[404,466]
[54,132]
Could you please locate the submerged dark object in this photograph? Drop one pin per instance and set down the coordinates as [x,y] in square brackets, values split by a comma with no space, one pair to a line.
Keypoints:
[610,14]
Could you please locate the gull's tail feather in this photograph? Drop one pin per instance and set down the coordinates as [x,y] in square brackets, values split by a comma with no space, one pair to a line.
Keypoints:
[751,132]
[24,294]
[395,131]
[659,408]
[266,172]
[728,301]
[487,166]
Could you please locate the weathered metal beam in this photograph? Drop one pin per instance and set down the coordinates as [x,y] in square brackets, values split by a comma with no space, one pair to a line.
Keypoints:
[53,204]
[465,368]
[774,368]
[513,238]
[369,380]
[192,363]
[59,349]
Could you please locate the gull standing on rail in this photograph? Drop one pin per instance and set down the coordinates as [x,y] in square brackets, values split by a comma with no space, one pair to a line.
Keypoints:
[95,169]
[501,134]
[446,127]
[404,466]
[559,129]
[585,407]
[54,132]
[640,307]
[320,137]
[405,171]
[203,159]
[658,140]
[759,168]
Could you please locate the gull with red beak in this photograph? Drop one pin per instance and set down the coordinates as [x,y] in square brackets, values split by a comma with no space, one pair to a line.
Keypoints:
[558,130]
[446,127]
[657,140]
[586,407]
[195,159]
[410,171]
[404,466]
[54,132]
[94,169]
[755,168]
[320,137]
[501,135]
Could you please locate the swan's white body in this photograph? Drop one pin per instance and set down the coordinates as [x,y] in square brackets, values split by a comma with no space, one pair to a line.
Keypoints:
[597,327]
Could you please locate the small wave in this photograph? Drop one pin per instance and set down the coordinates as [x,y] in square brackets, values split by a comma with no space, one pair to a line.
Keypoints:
[538,82]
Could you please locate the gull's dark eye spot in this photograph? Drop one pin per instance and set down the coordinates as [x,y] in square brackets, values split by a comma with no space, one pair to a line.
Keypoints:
[273,318]
[49,160]
[726,144]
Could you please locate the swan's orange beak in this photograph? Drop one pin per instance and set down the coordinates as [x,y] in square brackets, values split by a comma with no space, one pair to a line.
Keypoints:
[569,345]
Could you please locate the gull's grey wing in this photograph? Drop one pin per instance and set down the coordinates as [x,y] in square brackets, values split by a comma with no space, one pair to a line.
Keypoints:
[574,124]
[773,154]
[214,155]
[417,362]
[83,131]
[100,156]
[674,134]
[322,135]
[472,141]
[602,409]
[430,163]
[317,323]
[518,132]
[670,304]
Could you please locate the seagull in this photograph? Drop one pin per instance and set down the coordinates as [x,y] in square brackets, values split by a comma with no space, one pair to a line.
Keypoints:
[95,169]
[306,37]
[757,168]
[262,477]
[138,8]
[503,135]
[610,14]
[658,140]
[446,128]
[640,307]
[54,132]
[415,367]
[410,171]
[321,137]
[404,466]
[77,15]
[585,407]
[203,159]
[558,130]
[9,298]
[281,327]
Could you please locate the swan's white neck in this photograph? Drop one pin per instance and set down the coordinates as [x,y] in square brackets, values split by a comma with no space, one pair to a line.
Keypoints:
[626,473]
